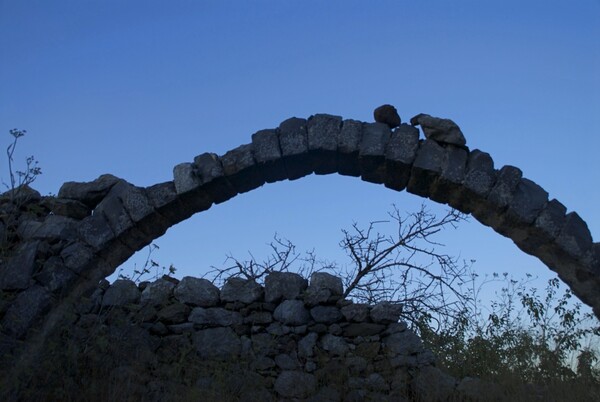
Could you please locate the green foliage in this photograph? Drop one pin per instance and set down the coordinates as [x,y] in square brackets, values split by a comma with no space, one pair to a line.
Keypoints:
[526,336]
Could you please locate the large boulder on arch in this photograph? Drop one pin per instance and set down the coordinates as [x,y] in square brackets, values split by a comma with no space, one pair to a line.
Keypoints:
[89,193]
[440,130]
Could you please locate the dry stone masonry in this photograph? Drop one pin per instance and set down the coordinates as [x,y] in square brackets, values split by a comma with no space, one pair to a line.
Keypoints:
[55,250]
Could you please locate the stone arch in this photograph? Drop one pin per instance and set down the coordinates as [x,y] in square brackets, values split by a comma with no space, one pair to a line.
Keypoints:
[102,223]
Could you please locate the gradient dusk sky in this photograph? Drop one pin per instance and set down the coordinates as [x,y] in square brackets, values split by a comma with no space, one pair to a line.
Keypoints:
[134,87]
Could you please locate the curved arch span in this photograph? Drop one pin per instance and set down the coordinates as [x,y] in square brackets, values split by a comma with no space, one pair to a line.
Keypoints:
[123,218]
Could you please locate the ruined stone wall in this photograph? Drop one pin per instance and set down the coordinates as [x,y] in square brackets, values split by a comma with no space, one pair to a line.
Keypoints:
[286,340]
[55,250]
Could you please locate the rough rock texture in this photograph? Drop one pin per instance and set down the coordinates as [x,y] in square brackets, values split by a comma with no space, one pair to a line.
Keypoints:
[387,114]
[55,249]
[441,130]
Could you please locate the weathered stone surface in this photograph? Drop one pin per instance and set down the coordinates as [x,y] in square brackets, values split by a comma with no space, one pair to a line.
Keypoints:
[400,153]
[480,177]
[53,227]
[55,276]
[449,184]
[176,313]
[291,312]
[240,168]
[326,314]
[440,130]
[387,114]
[211,174]
[323,280]
[372,152]
[65,207]
[403,343]
[551,219]
[283,285]
[267,153]
[22,195]
[336,345]
[323,133]
[293,138]
[215,316]
[386,312]
[528,201]
[575,237]
[27,308]
[197,292]
[78,257]
[158,292]
[184,176]
[356,312]
[120,293]
[363,329]
[426,168]
[506,184]
[295,384]
[20,267]
[89,193]
[217,343]
[307,344]
[348,147]
[259,317]
[242,290]
[95,231]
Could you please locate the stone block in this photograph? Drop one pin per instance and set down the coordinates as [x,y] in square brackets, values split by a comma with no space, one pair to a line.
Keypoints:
[449,184]
[213,179]
[240,168]
[197,292]
[120,293]
[140,210]
[215,316]
[217,343]
[121,224]
[185,178]
[167,203]
[323,280]
[575,237]
[401,152]
[25,311]
[90,193]
[293,138]
[55,277]
[551,219]
[527,203]
[18,272]
[295,384]
[78,258]
[291,312]
[326,314]
[426,168]
[348,148]
[65,207]
[267,153]
[480,177]
[242,290]
[372,152]
[283,285]
[323,133]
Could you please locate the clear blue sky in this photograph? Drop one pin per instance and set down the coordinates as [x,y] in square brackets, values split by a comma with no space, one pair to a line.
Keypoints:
[133,88]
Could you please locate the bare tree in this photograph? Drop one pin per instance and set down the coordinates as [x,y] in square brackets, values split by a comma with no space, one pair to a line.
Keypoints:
[405,267]
[402,268]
